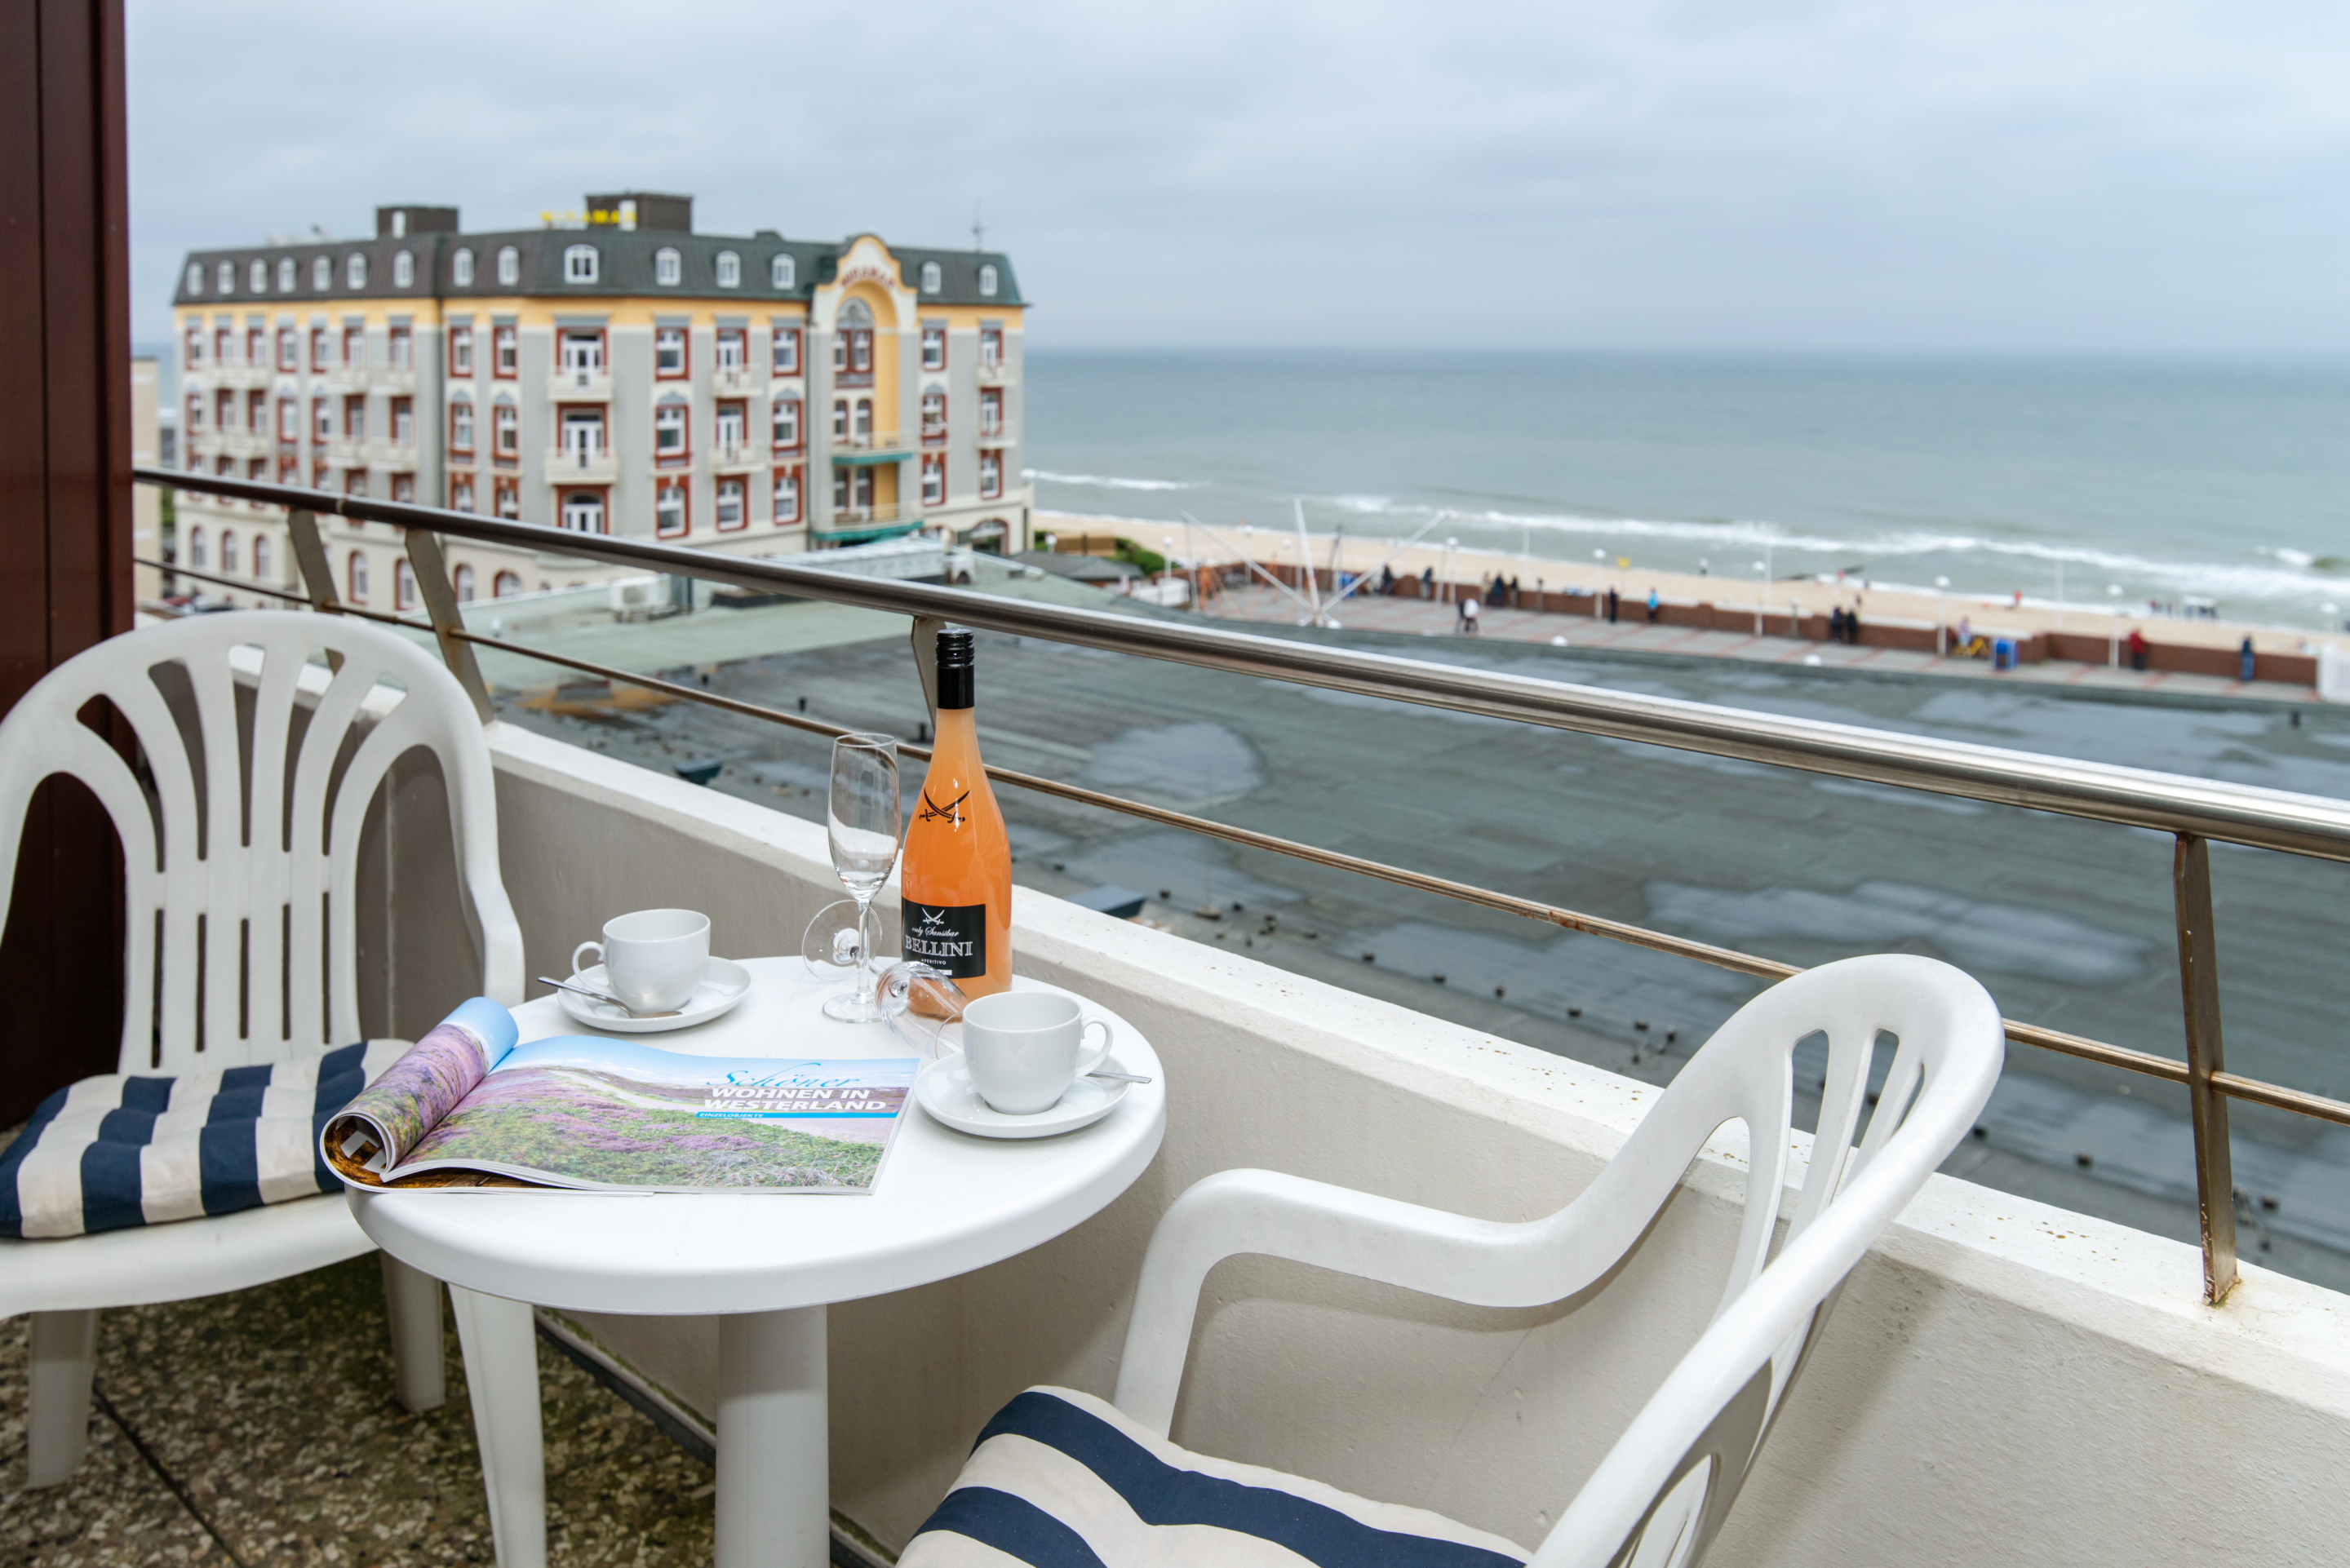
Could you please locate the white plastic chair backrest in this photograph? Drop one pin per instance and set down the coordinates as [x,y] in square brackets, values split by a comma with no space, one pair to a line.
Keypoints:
[241,842]
[1662,1492]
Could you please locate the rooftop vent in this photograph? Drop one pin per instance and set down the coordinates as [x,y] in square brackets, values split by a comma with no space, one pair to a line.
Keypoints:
[643,210]
[398,223]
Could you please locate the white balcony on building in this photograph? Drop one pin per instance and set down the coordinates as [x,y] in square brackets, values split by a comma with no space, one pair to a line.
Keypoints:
[579,386]
[995,372]
[732,459]
[581,465]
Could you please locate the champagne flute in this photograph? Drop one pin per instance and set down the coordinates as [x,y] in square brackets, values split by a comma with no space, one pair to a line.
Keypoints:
[864,820]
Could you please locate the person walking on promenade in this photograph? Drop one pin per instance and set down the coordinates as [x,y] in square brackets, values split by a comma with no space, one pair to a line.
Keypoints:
[1469,615]
[1835,624]
[1514,601]
[1852,626]
[1387,581]
[1612,605]
[2137,649]
[2245,660]
[1652,604]
[1428,582]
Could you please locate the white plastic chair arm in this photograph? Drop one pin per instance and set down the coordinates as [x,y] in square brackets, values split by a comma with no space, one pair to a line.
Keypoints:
[1481,1262]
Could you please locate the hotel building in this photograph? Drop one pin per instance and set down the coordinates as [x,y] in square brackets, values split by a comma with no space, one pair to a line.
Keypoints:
[611,373]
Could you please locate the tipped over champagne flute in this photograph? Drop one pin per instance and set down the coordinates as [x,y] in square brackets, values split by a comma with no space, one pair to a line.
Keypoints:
[863,819]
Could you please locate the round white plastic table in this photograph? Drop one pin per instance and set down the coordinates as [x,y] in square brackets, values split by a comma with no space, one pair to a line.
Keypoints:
[945,1203]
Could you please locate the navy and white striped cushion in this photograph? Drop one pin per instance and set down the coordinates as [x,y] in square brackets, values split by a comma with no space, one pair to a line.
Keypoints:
[126,1149]
[1062,1479]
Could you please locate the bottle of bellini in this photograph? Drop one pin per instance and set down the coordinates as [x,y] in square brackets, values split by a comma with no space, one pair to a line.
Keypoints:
[956,876]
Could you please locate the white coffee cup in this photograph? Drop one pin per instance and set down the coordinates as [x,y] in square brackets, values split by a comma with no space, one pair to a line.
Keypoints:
[652,958]
[1022,1048]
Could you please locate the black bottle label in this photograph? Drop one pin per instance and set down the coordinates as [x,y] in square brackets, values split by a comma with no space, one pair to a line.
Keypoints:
[950,938]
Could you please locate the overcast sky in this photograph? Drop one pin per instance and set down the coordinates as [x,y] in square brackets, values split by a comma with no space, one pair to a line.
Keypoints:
[1968,175]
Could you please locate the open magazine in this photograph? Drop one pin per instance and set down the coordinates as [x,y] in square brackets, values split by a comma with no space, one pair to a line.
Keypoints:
[467,1106]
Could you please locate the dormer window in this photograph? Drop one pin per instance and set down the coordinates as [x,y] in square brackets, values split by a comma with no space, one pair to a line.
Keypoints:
[196,276]
[668,268]
[460,269]
[322,274]
[403,270]
[781,273]
[933,278]
[258,280]
[730,270]
[987,281]
[228,277]
[509,266]
[285,275]
[354,271]
[579,264]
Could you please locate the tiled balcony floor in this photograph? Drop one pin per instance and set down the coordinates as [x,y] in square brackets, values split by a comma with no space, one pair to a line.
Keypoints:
[260,1427]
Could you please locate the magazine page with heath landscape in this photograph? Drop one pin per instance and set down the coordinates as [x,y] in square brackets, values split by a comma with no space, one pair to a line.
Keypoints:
[469,1107]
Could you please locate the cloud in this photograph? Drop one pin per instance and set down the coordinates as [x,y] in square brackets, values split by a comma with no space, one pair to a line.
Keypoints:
[1678,174]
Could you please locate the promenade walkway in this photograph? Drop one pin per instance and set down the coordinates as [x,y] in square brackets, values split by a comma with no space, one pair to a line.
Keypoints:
[1633,634]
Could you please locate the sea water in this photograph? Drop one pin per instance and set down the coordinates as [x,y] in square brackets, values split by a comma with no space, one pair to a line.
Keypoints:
[2218,479]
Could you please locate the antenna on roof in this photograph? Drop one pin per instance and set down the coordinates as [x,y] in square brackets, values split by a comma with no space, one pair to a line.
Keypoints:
[978,230]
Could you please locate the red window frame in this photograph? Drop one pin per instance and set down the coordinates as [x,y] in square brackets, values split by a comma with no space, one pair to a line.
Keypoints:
[223,410]
[194,348]
[784,355]
[990,346]
[403,583]
[991,411]
[322,418]
[506,422]
[319,477]
[403,420]
[506,495]
[461,444]
[934,335]
[742,505]
[355,481]
[797,478]
[739,341]
[683,454]
[354,416]
[603,349]
[256,413]
[990,475]
[195,411]
[934,430]
[320,344]
[799,424]
[355,347]
[741,412]
[289,349]
[934,466]
[461,351]
[685,353]
[224,340]
[506,352]
[401,348]
[404,488]
[675,487]
[499,588]
[256,469]
[256,346]
[462,492]
[355,578]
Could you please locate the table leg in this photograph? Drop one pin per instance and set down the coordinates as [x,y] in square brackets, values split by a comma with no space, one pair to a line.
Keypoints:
[501,1345]
[774,1459]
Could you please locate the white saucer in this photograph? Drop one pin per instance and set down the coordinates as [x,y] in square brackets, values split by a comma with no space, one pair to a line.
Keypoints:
[943,1089]
[726,983]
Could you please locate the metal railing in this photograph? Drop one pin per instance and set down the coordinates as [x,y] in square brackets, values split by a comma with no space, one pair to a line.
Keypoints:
[2195,812]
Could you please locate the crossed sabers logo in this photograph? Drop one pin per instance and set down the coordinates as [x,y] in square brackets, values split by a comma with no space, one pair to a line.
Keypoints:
[951,814]
[935,922]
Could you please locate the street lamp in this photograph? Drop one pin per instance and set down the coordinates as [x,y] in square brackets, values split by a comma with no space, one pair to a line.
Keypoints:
[1763,575]
[1445,572]
[2113,651]
[1941,618]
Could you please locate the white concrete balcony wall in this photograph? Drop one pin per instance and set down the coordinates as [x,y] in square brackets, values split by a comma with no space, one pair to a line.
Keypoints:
[2004,1383]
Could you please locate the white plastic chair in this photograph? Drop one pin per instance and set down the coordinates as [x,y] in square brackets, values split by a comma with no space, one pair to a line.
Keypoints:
[1661,1493]
[241,886]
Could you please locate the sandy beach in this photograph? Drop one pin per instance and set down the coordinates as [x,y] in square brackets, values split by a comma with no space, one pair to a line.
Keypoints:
[1807,596]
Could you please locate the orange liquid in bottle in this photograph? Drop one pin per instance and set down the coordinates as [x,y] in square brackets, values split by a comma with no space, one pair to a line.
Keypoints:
[955,878]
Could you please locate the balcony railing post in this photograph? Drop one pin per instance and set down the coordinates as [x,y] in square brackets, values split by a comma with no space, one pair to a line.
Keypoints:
[926,662]
[2198,981]
[440,603]
[317,571]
